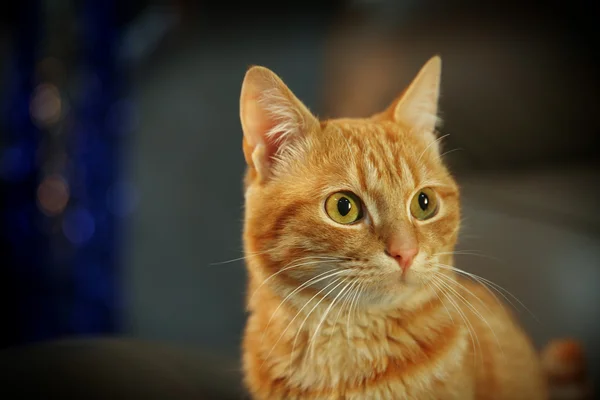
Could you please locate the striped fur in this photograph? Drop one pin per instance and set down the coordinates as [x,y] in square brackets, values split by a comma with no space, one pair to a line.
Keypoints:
[330,315]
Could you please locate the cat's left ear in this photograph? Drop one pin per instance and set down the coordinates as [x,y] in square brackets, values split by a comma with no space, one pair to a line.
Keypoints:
[417,107]
[272,118]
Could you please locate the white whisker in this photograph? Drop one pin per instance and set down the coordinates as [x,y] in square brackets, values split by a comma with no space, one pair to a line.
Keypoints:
[450,151]
[347,301]
[485,282]
[309,313]
[258,253]
[316,279]
[288,267]
[467,253]
[296,316]
[468,325]
[474,278]
[473,309]
[362,285]
[450,280]
[431,144]
[311,343]
[441,301]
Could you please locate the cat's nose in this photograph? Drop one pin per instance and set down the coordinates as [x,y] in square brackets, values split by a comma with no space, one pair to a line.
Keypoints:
[404,255]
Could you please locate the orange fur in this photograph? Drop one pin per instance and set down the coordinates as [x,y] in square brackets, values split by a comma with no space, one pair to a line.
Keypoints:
[331,315]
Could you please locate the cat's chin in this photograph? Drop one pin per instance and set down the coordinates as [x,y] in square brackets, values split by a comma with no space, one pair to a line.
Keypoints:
[400,295]
[408,279]
[400,286]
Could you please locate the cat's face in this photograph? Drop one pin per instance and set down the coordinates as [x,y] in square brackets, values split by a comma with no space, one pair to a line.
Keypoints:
[340,205]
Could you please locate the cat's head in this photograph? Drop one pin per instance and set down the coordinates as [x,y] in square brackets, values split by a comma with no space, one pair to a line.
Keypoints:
[335,205]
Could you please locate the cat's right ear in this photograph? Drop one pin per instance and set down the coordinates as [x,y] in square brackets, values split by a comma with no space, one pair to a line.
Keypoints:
[271,116]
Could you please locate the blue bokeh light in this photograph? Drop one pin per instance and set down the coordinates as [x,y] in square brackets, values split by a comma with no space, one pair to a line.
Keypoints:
[78,226]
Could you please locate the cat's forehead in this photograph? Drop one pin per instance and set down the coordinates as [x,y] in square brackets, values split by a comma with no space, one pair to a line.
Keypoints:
[370,134]
[380,152]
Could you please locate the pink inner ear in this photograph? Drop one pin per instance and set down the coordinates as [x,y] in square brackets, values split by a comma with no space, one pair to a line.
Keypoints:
[257,124]
[271,141]
[255,121]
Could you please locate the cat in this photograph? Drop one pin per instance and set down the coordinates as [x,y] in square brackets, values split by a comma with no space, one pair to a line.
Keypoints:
[349,231]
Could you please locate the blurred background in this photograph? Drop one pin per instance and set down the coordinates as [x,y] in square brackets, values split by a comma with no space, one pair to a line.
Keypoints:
[121,162]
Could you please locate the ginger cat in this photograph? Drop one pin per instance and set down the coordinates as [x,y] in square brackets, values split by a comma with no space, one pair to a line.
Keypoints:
[350,226]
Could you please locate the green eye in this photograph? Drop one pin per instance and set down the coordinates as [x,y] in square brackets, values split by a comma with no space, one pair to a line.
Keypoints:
[344,207]
[424,204]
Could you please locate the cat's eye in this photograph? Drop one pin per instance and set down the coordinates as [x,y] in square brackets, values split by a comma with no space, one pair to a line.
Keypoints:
[344,207]
[424,204]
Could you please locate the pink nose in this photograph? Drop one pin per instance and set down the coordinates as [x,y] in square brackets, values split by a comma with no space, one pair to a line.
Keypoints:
[404,256]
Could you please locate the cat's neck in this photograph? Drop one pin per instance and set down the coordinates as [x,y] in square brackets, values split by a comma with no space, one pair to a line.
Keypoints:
[308,342]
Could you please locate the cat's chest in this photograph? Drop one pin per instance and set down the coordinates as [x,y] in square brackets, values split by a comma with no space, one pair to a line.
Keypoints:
[339,355]
[373,361]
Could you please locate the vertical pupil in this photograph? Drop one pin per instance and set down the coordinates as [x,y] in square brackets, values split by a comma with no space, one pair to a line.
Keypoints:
[423,201]
[344,206]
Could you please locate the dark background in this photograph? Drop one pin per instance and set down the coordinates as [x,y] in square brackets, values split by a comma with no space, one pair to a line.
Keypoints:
[121,162]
